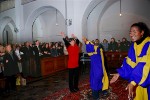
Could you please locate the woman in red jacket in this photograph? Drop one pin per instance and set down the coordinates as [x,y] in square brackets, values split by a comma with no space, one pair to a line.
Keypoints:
[72,45]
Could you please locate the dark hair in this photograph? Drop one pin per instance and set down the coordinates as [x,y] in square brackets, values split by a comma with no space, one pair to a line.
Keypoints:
[70,39]
[113,39]
[17,46]
[142,27]
[25,42]
[36,41]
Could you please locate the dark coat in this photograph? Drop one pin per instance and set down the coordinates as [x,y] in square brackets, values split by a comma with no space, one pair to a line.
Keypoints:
[27,53]
[36,51]
[10,67]
[113,46]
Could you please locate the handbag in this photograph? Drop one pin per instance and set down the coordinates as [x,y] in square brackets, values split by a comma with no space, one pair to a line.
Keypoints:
[21,81]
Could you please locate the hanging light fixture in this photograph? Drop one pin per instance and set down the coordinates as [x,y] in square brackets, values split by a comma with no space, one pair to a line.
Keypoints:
[56,18]
[120,9]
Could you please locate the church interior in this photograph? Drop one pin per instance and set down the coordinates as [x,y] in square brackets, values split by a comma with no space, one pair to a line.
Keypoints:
[35,30]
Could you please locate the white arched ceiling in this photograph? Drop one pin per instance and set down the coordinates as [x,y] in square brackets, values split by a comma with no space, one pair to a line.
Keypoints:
[38,29]
[92,31]
[86,15]
[112,25]
[10,35]
[13,34]
[48,25]
[101,17]
[30,20]
[4,22]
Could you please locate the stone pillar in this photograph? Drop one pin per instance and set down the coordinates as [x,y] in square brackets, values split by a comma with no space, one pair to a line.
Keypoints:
[19,19]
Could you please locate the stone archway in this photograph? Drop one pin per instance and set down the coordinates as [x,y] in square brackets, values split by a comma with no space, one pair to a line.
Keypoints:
[7,31]
[87,12]
[7,35]
[108,23]
[31,20]
[104,5]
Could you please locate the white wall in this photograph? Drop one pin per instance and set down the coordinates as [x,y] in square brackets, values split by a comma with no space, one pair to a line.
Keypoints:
[75,10]
[103,21]
[36,8]
[8,13]
[92,21]
[5,18]
[112,25]
[45,28]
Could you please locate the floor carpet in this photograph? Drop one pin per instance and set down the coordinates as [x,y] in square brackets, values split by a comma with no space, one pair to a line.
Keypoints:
[55,87]
[116,92]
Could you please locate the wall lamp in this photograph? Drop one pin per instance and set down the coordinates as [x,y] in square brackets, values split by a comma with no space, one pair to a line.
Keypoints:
[68,22]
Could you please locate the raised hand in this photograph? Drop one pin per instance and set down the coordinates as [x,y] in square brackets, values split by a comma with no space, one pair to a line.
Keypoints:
[73,36]
[62,34]
[114,79]
[84,39]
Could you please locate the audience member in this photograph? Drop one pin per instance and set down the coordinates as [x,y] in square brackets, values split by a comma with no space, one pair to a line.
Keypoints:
[19,53]
[113,46]
[10,68]
[37,53]
[54,52]
[26,61]
[124,46]
[60,50]
[46,50]
[105,45]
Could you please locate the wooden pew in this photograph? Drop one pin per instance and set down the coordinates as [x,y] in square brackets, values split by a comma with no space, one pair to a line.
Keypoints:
[114,59]
[51,65]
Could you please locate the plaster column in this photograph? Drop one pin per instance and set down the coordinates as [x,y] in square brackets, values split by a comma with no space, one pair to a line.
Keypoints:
[69,16]
[19,19]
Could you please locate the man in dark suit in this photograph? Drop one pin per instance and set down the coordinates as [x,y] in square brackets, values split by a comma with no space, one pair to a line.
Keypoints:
[27,54]
[10,68]
[37,54]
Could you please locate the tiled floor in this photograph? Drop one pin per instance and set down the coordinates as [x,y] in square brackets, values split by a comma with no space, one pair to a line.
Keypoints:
[38,88]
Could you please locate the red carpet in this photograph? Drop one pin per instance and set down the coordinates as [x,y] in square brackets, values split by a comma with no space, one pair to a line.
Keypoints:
[116,92]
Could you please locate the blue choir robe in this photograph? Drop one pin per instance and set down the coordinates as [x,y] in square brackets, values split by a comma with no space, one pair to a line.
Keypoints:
[98,76]
[136,68]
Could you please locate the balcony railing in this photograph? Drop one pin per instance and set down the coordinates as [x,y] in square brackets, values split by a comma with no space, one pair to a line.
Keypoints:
[9,4]
[6,5]
[26,1]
